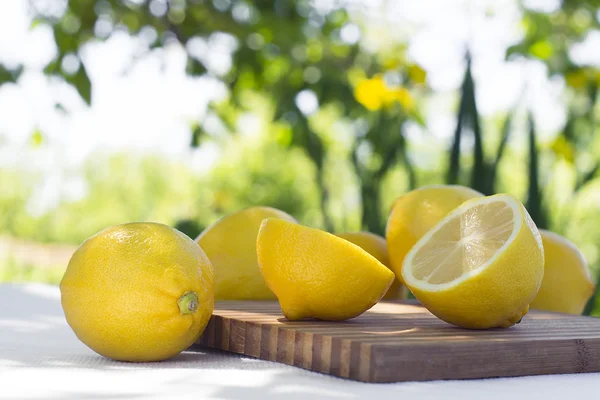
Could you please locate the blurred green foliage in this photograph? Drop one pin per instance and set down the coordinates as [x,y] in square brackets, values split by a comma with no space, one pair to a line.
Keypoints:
[283,48]
[126,187]
[12,270]
[315,163]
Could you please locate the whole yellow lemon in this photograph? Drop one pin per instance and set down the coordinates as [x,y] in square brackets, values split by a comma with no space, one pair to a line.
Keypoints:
[138,292]
[375,245]
[318,275]
[230,244]
[567,284]
[416,212]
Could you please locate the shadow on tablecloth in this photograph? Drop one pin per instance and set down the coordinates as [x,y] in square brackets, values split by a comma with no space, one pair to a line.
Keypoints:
[34,332]
[35,339]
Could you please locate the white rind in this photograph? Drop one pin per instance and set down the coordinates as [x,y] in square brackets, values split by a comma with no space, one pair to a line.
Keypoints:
[518,217]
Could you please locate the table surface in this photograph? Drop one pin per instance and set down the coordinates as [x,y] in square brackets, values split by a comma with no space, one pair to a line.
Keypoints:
[40,358]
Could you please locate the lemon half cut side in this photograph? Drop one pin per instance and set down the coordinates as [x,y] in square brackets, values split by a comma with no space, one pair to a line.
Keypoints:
[479,267]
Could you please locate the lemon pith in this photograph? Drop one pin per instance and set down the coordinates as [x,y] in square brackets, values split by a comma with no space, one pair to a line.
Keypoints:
[481,266]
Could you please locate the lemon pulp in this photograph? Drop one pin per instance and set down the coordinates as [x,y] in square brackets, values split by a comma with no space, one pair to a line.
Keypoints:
[464,244]
[479,267]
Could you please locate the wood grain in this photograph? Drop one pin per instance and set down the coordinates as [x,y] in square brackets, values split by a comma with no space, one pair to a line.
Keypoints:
[396,342]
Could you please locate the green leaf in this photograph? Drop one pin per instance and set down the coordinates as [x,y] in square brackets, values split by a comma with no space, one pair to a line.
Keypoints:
[500,152]
[591,174]
[468,116]
[66,42]
[197,133]
[454,165]
[132,21]
[7,75]
[388,138]
[410,168]
[54,67]
[194,67]
[189,226]
[568,131]
[478,173]
[534,196]
[306,139]
[82,83]
[592,90]
[520,49]
[418,118]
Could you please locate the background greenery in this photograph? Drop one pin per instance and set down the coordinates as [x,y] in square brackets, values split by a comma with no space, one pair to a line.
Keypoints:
[338,166]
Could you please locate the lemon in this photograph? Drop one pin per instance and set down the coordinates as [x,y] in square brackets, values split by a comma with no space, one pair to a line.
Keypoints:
[375,245]
[138,292]
[318,275]
[416,212]
[230,244]
[567,284]
[481,266]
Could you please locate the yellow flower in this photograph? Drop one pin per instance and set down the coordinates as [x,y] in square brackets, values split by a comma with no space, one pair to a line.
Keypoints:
[370,92]
[374,94]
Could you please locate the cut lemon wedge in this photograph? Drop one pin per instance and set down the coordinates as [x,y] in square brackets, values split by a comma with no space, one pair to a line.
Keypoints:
[315,274]
[479,267]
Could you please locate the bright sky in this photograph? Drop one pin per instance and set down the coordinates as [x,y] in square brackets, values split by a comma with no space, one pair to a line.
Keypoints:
[143,101]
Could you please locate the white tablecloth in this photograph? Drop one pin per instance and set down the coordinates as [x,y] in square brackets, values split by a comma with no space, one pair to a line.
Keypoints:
[40,358]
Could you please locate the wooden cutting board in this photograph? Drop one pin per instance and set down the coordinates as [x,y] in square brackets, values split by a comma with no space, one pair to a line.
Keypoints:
[396,342]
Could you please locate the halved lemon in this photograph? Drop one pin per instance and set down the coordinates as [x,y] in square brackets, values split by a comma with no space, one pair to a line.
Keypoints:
[376,246]
[315,274]
[479,267]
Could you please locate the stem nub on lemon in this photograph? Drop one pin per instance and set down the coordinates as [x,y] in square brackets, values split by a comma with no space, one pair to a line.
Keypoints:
[318,275]
[416,212]
[479,267]
[230,244]
[138,292]
[567,284]
[376,246]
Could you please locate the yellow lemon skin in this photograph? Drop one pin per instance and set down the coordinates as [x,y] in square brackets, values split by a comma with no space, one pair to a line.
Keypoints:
[567,284]
[376,246]
[230,244]
[138,292]
[495,295]
[318,275]
[416,212]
